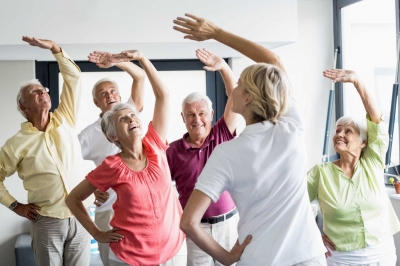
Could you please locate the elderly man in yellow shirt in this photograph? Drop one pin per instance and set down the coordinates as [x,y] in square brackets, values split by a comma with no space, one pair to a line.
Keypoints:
[47,157]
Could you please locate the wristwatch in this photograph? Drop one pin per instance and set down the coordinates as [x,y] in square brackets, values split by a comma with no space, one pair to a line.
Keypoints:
[13,205]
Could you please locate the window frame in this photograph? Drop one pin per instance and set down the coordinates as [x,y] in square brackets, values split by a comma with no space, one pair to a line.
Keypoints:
[337,30]
[47,72]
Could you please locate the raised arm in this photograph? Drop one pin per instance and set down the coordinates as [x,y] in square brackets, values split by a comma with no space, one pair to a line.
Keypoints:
[214,62]
[138,75]
[70,96]
[349,76]
[74,203]
[161,108]
[200,29]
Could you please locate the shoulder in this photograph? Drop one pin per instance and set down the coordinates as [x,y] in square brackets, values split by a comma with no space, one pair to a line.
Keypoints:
[110,162]
[153,139]
[174,146]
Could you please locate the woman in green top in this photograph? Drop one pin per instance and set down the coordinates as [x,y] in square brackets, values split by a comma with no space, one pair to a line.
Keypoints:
[359,220]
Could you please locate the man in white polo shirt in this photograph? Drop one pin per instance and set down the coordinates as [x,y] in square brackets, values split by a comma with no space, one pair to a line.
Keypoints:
[94,144]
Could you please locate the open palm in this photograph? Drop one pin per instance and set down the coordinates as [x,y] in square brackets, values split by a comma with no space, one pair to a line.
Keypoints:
[101,59]
[212,61]
[45,44]
[341,75]
[126,56]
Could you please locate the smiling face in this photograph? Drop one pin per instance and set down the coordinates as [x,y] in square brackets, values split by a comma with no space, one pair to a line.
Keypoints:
[347,140]
[127,126]
[107,96]
[35,98]
[197,118]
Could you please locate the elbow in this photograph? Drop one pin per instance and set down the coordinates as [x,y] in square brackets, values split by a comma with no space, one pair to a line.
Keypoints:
[141,75]
[186,226]
[164,95]
[68,201]
[277,62]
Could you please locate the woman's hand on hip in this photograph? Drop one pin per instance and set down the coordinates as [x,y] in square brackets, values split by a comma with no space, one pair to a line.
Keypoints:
[237,250]
[108,236]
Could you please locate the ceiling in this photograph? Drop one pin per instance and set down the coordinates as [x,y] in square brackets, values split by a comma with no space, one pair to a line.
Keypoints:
[83,26]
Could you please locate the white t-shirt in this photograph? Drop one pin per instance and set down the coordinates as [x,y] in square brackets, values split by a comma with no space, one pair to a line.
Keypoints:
[264,171]
[96,147]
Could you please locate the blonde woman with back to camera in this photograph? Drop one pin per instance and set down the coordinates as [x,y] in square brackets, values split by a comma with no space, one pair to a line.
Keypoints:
[263,169]
[358,219]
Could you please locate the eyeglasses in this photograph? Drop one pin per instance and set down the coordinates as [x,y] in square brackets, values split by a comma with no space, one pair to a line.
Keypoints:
[39,91]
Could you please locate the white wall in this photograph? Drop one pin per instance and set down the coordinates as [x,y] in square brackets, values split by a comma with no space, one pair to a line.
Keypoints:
[11,75]
[304,61]
[82,26]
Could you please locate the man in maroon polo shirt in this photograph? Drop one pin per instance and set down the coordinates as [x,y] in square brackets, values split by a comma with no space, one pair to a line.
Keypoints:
[188,155]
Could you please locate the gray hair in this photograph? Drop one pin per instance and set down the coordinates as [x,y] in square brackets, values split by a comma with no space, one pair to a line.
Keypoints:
[108,122]
[195,97]
[20,95]
[360,126]
[101,81]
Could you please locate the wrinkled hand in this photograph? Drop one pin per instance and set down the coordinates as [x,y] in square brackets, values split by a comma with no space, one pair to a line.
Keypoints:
[328,243]
[212,61]
[101,59]
[341,75]
[108,236]
[126,56]
[101,197]
[238,249]
[45,44]
[29,211]
[196,28]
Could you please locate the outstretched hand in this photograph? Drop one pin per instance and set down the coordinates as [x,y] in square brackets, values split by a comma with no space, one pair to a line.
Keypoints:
[101,59]
[212,61]
[341,75]
[108,236]
[195,28]
[45,44]
[237,250]
[108,58]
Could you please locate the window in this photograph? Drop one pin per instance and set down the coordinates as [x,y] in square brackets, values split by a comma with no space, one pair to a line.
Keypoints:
[365,32]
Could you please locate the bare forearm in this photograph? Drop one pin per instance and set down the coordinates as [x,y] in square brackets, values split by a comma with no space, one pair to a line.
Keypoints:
[159,89]
[137,89]
[79,211]
[207,243]
[248,48]
[229,79]
[368,102]
[133,70]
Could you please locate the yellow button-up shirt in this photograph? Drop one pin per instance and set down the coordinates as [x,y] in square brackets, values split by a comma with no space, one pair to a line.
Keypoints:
[356,211]
[50,162]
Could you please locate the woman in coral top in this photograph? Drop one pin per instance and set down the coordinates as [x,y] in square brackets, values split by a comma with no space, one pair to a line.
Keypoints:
[147,212]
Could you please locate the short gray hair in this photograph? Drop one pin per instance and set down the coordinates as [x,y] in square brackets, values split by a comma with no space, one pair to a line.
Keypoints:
[108,121]
[195,97]
[101,81]
[360,125]
[20,95]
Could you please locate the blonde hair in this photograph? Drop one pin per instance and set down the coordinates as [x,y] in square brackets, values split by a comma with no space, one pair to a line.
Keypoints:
[270,91]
